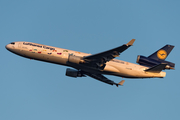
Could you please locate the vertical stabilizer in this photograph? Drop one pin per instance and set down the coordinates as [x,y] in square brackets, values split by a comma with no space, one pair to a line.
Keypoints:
[162,53]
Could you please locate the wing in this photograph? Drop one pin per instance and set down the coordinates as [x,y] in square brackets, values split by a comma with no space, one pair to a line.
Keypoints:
[98,60]
[104,79]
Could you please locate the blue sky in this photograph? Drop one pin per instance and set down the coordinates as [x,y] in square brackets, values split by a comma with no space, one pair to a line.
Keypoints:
[33,90]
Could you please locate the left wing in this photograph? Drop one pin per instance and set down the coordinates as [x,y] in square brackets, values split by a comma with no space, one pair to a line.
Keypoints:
[98,60]
[104,79]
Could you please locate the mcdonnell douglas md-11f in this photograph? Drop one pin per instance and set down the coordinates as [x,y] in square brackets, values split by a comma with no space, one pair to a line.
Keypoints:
[95,65]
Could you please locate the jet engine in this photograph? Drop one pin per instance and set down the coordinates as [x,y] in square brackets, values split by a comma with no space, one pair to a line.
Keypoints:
[75,59]
[74,73]
[142,60]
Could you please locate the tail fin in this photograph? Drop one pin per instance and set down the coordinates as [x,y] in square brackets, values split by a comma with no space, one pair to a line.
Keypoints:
[162,53]
[157,58]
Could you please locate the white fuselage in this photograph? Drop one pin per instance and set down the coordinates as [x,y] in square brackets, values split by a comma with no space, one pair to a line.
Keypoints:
[60,56]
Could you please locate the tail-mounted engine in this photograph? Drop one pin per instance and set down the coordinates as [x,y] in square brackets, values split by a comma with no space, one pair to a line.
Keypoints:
[145,61]
[74,73]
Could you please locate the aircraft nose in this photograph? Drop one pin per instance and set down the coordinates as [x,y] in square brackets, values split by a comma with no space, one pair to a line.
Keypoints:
[7,46]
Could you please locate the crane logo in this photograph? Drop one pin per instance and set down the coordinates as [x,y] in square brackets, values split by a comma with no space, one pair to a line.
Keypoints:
[161,54]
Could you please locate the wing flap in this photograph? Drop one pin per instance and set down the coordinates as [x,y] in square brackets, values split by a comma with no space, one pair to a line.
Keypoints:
[157,68]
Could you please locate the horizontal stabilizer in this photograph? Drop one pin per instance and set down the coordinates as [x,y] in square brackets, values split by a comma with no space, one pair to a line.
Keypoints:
[157,68]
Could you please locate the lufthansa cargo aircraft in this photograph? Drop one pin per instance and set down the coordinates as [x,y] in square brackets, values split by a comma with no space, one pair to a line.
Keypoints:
[95,65]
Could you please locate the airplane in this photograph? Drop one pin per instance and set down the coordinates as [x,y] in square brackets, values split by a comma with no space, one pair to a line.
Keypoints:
[100,64]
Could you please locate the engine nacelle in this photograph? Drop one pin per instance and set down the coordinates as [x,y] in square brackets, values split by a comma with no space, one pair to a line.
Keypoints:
[75,59]
[142,60]
[74,73]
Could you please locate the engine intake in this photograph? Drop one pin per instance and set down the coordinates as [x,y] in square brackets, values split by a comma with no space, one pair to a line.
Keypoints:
[74,73]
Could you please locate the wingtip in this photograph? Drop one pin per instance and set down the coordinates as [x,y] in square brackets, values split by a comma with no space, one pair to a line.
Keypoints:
[120,83]
[130,42]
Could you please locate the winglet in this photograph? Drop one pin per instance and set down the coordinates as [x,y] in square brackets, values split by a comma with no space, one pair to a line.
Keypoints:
[120,83]
[130,42]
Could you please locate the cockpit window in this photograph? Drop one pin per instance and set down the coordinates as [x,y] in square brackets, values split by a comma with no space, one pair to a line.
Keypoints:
[12,43]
